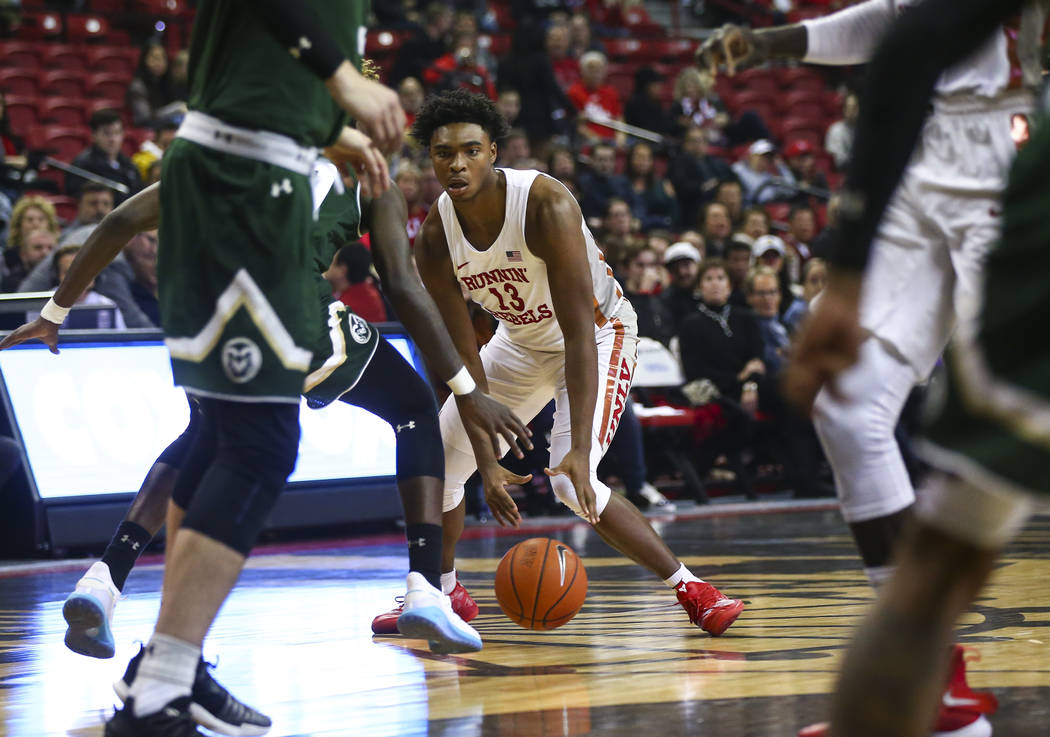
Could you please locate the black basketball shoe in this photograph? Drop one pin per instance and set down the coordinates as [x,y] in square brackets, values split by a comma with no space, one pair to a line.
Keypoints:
[171,721]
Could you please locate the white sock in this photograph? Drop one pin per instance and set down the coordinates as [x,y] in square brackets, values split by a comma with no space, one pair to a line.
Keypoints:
[166,672]
[878,575]
[448,582]
[683,574]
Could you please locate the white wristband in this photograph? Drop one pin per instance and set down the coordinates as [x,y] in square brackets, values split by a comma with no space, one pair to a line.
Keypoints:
[53,312]
[462,383]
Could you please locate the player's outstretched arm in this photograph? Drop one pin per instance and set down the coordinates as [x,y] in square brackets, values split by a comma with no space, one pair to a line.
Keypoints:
[135,215]
[554,232]
[846,37]
[926,40]
[427,321]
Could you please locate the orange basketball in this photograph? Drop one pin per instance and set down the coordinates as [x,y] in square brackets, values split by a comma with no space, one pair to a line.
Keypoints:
[540,584]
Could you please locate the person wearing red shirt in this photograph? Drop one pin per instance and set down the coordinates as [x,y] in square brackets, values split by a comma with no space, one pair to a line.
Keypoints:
[596,100]
[565,65]
[409,180]
[460,69]
[352,283]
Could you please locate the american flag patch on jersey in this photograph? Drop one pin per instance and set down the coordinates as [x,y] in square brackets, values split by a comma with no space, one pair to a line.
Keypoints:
[514,257]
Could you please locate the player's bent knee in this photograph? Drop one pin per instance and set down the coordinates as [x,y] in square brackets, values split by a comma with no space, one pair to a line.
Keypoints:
[453,498]
[566,493]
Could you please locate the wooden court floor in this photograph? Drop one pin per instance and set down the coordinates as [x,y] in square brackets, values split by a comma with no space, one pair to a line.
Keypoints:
[294,640]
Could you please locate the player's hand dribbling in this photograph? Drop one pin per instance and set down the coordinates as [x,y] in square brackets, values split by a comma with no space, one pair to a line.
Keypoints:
[732,47]
[375,107]
[577,466]
[487,416]
[828,343]
[494,479]
[39,329]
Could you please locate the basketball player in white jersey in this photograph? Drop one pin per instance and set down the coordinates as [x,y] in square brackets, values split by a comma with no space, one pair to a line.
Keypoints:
[517,242]
[927,255]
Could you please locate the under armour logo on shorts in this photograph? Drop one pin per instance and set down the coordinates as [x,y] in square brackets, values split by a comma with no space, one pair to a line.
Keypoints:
[241,360]
[284,186]
[410,426]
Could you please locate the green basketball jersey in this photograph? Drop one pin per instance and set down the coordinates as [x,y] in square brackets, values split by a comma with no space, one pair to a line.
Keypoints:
[241,74]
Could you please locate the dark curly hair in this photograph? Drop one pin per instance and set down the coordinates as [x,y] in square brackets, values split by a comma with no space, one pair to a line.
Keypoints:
[458,106]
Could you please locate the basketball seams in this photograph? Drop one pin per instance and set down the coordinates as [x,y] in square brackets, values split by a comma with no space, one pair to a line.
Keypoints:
[510,569]
[539,582]
[566,590]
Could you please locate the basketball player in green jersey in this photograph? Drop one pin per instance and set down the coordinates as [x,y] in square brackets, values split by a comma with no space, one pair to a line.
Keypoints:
[270,82]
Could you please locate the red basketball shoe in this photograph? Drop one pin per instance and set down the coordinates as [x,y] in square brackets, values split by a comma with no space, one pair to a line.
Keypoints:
[962,709]
[707,607]
[462,604]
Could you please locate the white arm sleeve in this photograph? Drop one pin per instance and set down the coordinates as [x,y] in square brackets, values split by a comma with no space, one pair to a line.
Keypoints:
[848,36]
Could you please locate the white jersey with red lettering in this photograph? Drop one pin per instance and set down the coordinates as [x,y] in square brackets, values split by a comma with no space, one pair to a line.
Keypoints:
[1010,60]
[511,282]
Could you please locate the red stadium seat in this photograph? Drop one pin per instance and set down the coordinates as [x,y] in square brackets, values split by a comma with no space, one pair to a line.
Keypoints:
[778,211]
[61,56]
[674,50]
[795,76]
[800,97]
[810,110]
[86,28]
[107,85]
[626,50]
[19,54]
[747,78]
[802,128]
[94,105]
[22,112]
[112,59]
[748,99]
[65,206]
[380,42]
[70,112]
[40,26]
[64,82]
[24,82]
[65,142]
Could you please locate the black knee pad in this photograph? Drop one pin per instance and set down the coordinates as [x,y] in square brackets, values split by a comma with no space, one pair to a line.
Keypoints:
[254,452]
[390,388]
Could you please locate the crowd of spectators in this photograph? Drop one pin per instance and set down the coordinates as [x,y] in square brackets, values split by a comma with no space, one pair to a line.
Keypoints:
[713,224]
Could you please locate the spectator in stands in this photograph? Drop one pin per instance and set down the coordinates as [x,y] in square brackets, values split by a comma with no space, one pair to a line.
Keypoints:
[152,151]
[682,262]
[738,265]
[63,257]
[642,281]
[731,194]
[427,44]
[596,101]
[94,203]
[31,212]
[508,102]
[659,240]
[756,223]
[180,74]
[561,164]
[432,188]
[723,345]
[566,66]
[814,279]
[409,180]
[33,248]
[546,111]
[513,147]
[582,36]
[104,158]
[619,222]
[801,159]
[151,89]
[351,280]
[695,239]
[645,108]
[141,255]
[763,295]
[838,141]
[410,93]
[12,151]
[696,104]
[717,229]
[802,229]
[655,204]
[466,22]
[770,251]
[695,174]
[602,182]
[460,69]
[757,171]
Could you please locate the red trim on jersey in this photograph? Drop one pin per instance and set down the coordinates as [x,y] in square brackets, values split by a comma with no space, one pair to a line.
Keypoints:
[612,380]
